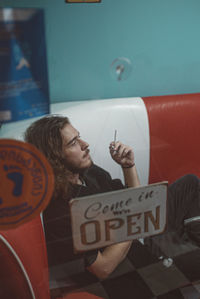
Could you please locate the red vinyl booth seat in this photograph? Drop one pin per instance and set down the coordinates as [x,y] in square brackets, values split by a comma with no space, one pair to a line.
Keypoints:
[174,136]
[11,271]
[28,244]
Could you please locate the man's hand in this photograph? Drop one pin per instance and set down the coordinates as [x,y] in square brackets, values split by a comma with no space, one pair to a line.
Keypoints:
[122,154]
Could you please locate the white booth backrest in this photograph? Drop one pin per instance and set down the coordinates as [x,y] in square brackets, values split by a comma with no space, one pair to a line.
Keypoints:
[97,121]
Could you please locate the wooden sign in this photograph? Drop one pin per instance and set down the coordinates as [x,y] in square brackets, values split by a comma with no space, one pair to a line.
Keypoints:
[107,218]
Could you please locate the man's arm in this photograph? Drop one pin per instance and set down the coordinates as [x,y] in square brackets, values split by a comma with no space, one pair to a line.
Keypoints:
[109,259]
[113,255]
[124,156]
[131,177]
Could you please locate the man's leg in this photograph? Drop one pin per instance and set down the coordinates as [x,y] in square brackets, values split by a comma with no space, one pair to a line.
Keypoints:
[184,207]
[183,203]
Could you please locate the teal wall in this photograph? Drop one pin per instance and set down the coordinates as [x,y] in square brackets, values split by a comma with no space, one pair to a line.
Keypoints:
[161,38]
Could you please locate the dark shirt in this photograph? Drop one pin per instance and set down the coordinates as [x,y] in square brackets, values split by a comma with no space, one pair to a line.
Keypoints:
[56,217]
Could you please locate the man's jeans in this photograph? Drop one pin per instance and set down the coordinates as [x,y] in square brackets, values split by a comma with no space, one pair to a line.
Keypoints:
[182,232]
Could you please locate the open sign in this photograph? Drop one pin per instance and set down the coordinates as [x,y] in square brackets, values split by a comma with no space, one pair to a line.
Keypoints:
[103,219]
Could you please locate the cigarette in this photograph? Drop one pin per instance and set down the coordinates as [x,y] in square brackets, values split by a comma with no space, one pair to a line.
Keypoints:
[115,138]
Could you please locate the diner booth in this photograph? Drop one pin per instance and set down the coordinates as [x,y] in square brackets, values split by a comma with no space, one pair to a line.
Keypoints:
[164,133]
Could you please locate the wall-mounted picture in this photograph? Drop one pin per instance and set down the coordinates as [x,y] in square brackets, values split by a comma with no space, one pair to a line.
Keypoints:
[24,88]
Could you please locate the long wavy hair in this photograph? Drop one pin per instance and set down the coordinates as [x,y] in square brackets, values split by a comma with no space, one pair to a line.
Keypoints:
[46,136]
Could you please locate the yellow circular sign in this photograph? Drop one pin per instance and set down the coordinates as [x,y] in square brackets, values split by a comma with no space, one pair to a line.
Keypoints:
[26,183]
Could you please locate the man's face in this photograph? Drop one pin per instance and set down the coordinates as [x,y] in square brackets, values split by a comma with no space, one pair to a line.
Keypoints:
[75,150]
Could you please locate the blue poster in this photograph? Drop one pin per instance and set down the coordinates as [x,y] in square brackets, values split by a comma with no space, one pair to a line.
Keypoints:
[24,91]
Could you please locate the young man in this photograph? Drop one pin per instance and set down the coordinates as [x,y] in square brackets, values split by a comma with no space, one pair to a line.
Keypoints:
[76,175]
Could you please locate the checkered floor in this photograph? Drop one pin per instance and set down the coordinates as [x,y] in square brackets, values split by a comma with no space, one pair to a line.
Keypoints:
[140,276]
